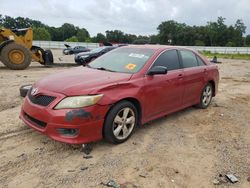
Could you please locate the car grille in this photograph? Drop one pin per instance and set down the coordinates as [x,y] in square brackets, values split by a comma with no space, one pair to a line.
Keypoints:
[42,100]
[36,122]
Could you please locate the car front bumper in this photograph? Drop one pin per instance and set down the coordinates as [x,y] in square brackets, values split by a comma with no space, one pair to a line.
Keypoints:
[73,126]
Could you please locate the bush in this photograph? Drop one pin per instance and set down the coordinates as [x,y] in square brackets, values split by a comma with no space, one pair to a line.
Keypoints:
[230,44]
[72,39]
[199,43]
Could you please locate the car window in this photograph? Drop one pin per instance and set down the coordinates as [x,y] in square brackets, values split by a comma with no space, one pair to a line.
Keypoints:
[168,59]
[107,49]
[188,59]
[200,61]
[97,50]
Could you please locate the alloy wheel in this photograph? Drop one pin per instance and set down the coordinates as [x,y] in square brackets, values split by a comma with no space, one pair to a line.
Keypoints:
[207,95]
[124,123]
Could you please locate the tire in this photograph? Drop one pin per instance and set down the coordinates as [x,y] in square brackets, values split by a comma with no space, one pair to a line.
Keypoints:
[15,56]
[50,56]
[38,50]
[92,59]
[120,122]
[206,96]
[24,90]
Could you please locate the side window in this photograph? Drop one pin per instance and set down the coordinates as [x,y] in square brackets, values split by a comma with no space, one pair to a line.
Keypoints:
[200,61]
[103,51]
[106,50]
[188,59]
[168,59]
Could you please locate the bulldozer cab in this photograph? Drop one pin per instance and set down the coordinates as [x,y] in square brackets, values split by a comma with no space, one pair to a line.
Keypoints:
[21,36]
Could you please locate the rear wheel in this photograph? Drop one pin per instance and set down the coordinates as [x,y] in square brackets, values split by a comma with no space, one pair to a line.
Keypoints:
[92,59]
[120,122]
[206,96]
[49,56]
[15,56]
[38,51]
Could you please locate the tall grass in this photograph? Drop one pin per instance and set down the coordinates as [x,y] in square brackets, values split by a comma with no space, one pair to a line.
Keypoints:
[226,56]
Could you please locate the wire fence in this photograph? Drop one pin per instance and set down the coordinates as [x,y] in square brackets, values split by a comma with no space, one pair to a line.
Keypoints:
[222,50]
[212,49]
[60,44]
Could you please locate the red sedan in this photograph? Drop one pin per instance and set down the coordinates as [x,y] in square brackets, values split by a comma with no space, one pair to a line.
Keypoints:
[119,90]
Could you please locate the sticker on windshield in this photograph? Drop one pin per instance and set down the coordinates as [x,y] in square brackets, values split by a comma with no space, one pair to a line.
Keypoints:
[130,66]
[137,55]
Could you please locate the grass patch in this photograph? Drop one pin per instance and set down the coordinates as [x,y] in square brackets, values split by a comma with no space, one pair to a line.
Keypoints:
[226,56]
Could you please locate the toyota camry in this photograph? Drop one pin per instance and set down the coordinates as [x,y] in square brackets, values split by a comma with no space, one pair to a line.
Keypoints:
[118,91]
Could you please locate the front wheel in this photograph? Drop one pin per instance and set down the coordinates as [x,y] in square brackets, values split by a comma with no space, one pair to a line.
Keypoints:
[15,56]
[206,96]
[120,122]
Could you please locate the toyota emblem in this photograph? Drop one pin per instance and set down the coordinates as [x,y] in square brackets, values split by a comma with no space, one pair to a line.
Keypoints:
[34,91]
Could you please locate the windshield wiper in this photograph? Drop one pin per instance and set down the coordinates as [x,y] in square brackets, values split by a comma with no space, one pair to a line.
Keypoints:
[105,69]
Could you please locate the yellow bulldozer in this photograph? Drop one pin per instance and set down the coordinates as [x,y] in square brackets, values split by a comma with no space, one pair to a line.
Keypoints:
[17,52]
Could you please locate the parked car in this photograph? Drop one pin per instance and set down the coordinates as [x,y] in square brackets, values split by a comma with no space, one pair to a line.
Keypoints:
[77,49]
[86,57]
[118,91]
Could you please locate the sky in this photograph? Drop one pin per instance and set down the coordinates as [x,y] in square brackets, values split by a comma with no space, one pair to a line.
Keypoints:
[140,17]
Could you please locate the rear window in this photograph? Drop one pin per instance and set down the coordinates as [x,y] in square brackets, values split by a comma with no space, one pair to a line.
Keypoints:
[200,61]
[188,59]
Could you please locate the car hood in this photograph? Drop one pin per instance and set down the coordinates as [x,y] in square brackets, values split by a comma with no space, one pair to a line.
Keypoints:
[84,53]
[80,81]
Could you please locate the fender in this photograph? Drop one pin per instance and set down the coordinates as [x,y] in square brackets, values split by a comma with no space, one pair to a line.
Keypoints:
[3,44]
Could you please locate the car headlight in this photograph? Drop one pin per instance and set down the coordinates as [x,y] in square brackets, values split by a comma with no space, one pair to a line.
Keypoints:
[78,101]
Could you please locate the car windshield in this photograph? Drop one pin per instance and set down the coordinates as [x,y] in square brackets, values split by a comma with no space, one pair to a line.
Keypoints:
[126,60]
[96,50]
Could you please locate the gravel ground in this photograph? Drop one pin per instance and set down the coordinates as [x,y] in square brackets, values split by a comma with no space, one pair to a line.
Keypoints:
[190,148]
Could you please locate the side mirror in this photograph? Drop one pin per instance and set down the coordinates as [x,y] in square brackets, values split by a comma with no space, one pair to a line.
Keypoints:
[158,70]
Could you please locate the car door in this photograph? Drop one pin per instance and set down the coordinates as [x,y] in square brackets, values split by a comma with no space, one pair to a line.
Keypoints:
[163,93]
[194,77]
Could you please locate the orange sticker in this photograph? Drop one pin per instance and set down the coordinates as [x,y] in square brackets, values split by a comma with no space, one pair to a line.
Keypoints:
[130,66]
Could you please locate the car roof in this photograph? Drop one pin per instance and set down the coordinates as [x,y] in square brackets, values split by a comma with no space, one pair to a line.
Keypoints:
[156,47]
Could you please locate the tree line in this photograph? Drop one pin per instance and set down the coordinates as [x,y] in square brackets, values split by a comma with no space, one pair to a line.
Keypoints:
[215,33]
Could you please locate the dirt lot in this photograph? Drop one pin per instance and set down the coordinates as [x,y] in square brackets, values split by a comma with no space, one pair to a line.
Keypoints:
[190,148]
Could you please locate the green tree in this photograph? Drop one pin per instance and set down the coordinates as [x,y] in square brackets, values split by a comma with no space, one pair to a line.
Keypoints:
[239,30]
[154,39]
[217,32]
[115,36]
[247,40]
[82,34]
[170,31]
[129,38]
[40,33]
[56,34]
[1,20]
[9,22]
[99,38]
[67,30]
[199,43]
